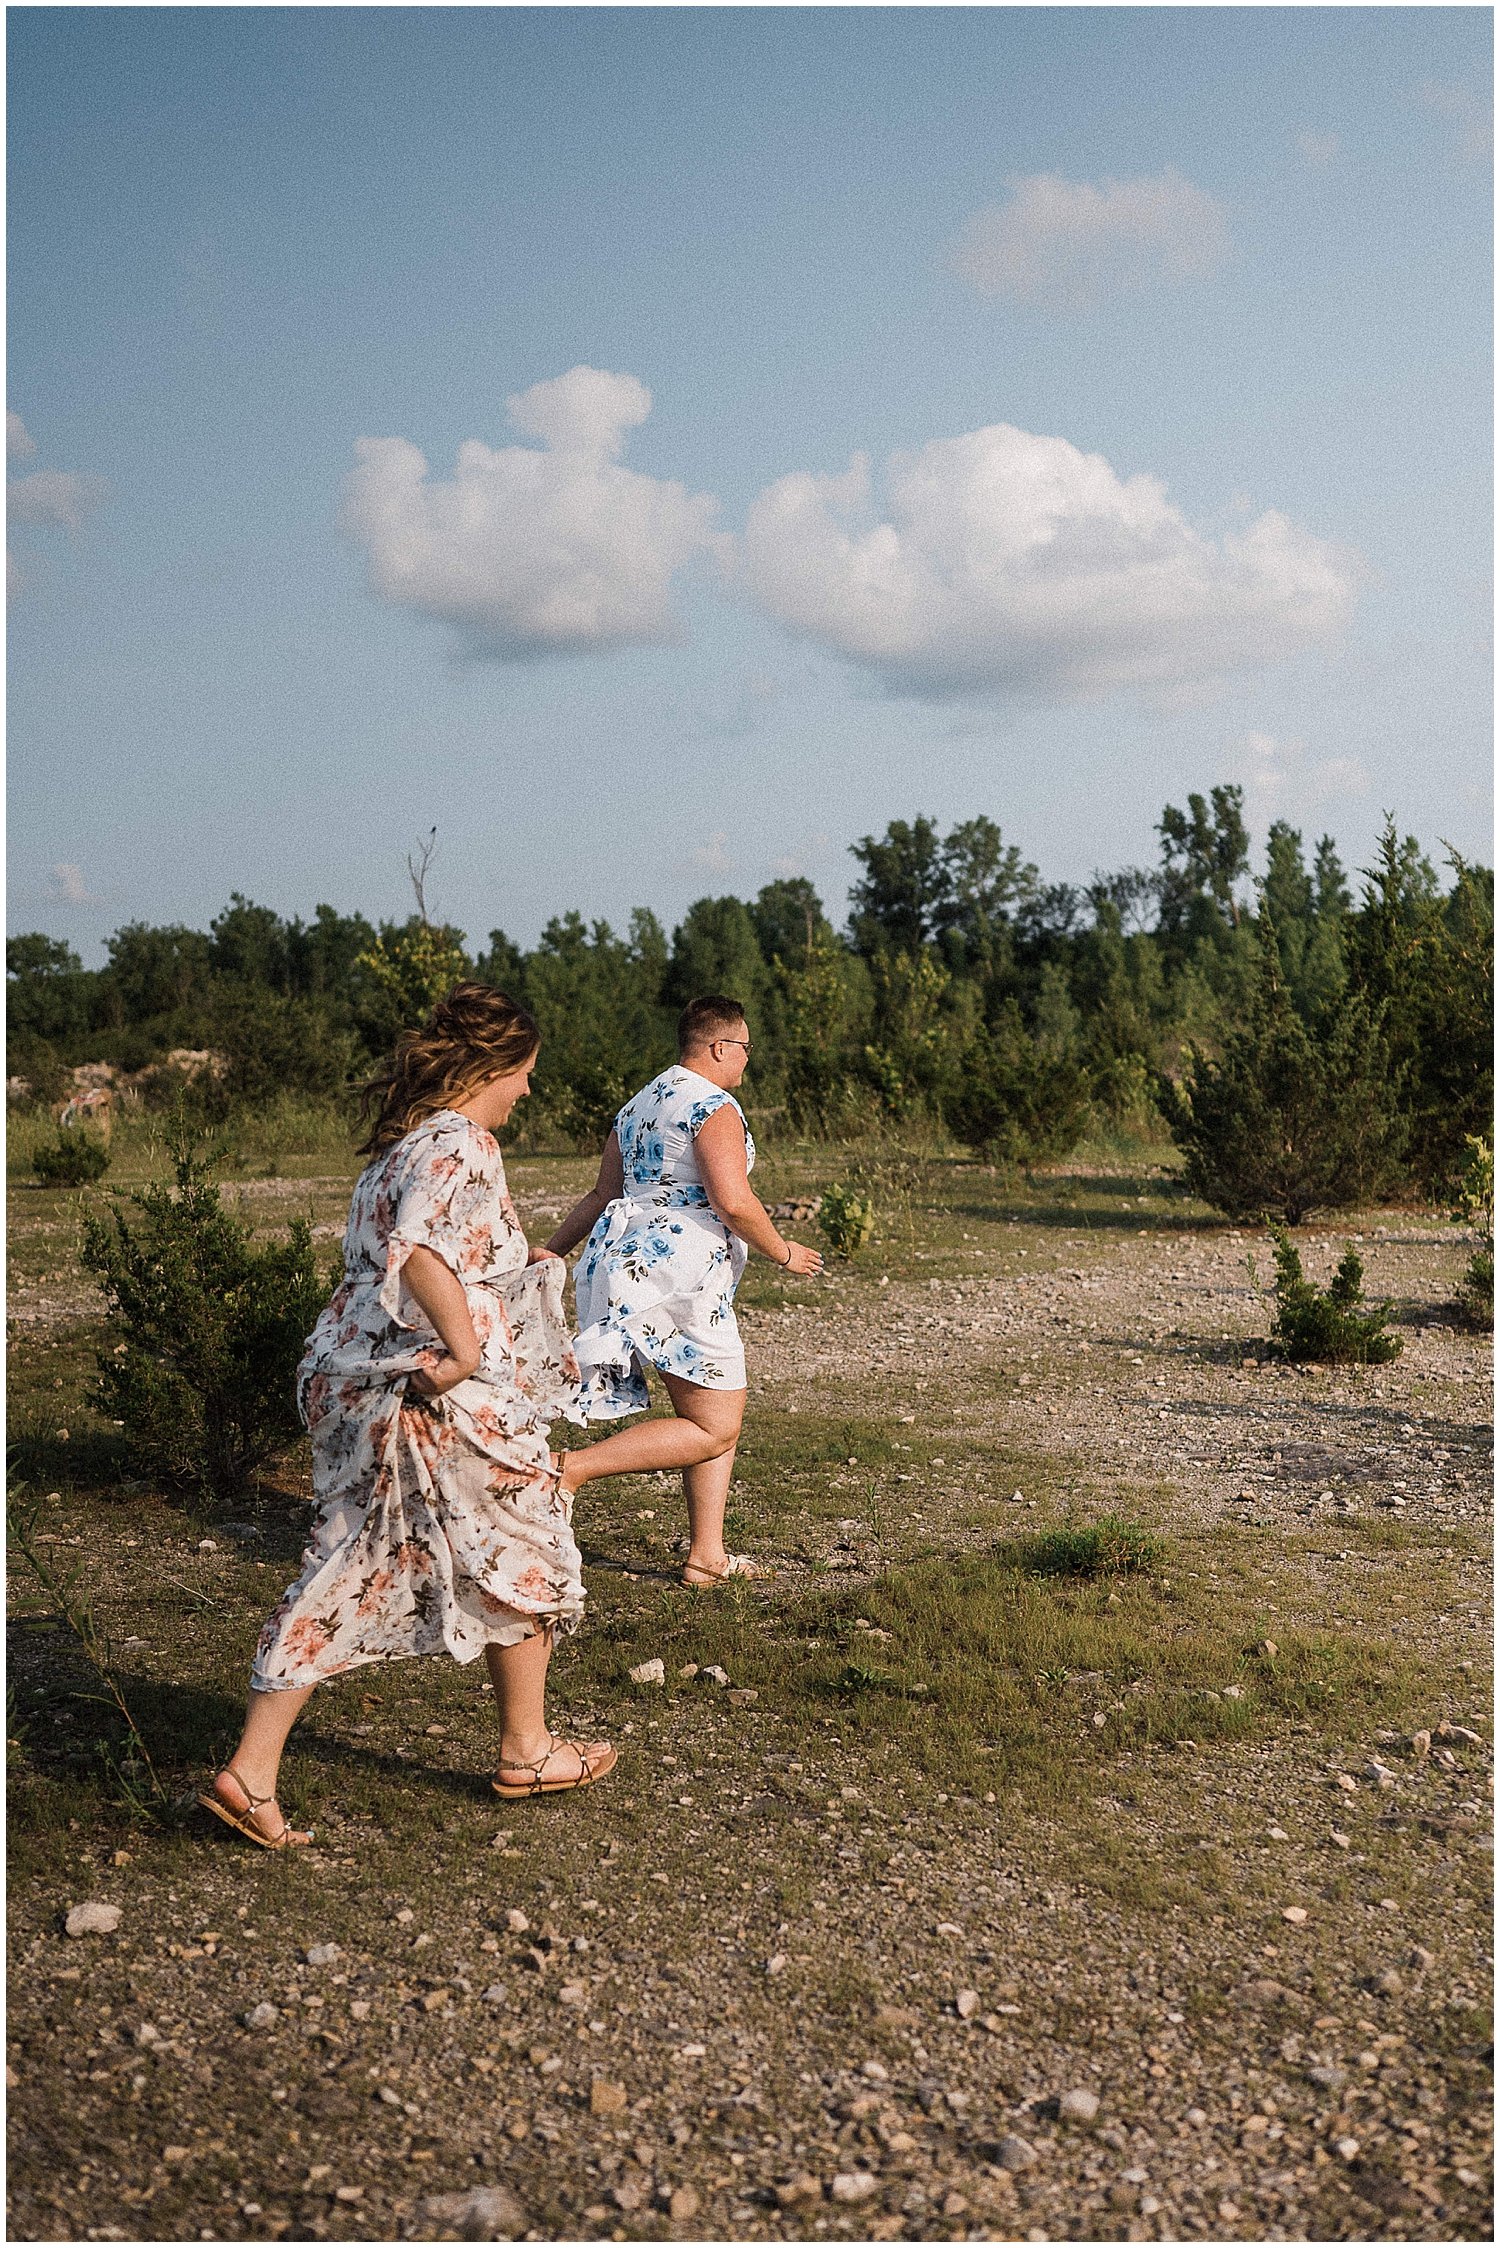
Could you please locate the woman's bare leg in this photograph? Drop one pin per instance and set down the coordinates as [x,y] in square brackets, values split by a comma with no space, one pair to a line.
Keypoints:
[256,1763]
[518,1674]
[706,1426]
[706,1490]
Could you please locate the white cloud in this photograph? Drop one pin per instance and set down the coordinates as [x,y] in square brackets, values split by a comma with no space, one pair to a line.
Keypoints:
[52,495]
[1467,112]
[1319,148]
[526,552]
[1064,243]
[69,886]
[1282,782]
[1002,563]
[19,443]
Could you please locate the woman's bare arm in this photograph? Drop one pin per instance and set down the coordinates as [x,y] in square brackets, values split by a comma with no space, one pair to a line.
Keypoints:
[584,1215]
[720,1149]
[438,1290]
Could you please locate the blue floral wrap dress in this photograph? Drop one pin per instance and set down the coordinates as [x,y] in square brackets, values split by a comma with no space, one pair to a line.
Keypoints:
[655,1283]
[440,1525]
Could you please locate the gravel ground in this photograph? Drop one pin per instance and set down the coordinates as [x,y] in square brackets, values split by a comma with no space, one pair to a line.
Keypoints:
[769,1984]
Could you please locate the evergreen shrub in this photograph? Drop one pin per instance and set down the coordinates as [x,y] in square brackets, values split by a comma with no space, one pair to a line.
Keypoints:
[206,1327]
[75,1158]
[1289,1119]
[1331,1326]
[1014,1102]
[1474,1205]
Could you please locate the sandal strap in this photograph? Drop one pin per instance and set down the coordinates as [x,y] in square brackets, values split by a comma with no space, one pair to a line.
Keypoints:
[555,1741]
[253,1804]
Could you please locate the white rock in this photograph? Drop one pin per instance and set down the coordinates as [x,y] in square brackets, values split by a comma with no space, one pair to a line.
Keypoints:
[854,2185]
[949,1928]
[517,1923]
[323,1955]
[483,2213]
[1234,1693]
[876,2071]
[1079,2106]
[1296,1914]
[263,2015]
[712,1670]
[1346,2149]
[92,1920]
[653,1673]
[1014,2153]
[776,1964]
[966,2005]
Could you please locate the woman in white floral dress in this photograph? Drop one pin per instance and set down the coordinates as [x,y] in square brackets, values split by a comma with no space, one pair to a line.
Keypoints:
[670,1223]
[428,1388]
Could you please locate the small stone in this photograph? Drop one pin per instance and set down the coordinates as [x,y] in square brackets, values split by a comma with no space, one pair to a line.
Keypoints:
[483,2213]
[1267,1649]
[1347,2150]
[404,1917]
[174,2154]
[1422,1959]
[799,2192]
[954,2205]
[323,1955]
[743,1696]
[1278,1834]
[1329,2076]
[572,1994]
[776,1964]
[854,2185]
[359,2009]
[949,1928]
[263,2016]
[966,2005]
[1234,1693]
[1197,2117]
[712,1670]
[652,1673]
[205,1545]
[876,2071]
[683,2204]
[688,1670]
[1388,1983]
[1078,2106]
[1420,1743]
[92,1919]
[494,1995]
[1380,1773]
[1013,2153]
[607,2097]
[1339,1840]
[1296,1914]
[348,2193]
[517,1922]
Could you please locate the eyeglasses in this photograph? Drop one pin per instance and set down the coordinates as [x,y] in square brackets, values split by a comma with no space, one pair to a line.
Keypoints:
[733,1042]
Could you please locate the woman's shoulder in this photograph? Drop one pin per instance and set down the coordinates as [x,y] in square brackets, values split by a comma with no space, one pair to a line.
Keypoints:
[449,1136]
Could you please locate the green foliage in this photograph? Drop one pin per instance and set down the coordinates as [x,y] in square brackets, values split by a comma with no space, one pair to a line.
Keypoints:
[206,1328]
[1110,1547]
[1474,1205]
[274,1043]
[74,1158]
[846,1220]
[1205,852]
[1013,1101]
[1330,1326]
[408,970]
[1289,1120]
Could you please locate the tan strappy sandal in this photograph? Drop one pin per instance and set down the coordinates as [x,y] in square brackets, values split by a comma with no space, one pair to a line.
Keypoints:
[243,1822]
[699,1579]
[513,1790]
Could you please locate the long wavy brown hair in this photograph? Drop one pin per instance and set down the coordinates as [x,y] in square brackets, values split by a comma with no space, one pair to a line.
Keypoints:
[476,1033]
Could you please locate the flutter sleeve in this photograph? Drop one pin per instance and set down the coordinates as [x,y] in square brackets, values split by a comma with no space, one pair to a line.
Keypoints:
[446,1200]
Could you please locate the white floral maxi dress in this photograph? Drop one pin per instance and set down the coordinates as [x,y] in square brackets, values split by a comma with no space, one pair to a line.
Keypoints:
[440,1525]
[655,1284]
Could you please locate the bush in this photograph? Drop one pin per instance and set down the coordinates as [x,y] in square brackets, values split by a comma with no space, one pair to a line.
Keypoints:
[75,1158]
[206,1328]
[1014,1102]
[1327,1325]
[1474,1205]
[846,1220]
[1290,1121]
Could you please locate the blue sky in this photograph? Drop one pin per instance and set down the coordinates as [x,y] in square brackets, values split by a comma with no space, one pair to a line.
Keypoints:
[1162,337]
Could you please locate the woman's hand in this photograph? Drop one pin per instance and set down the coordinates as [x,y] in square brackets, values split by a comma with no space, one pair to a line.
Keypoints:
[536,1254]
[802,1262]
[438,1374]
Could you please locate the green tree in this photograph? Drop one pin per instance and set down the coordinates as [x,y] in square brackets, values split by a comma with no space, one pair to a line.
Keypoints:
[789,919]
[715,947]
[904,885]
[1011,1100]
[1290,1119]
[405,972]
[1205,852]
[47,989]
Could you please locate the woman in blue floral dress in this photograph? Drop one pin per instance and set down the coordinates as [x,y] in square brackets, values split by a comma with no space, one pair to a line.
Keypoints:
[428,1388]
[670,1224]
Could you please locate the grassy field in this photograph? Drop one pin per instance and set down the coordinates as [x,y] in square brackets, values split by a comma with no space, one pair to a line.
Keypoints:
[1067,1749]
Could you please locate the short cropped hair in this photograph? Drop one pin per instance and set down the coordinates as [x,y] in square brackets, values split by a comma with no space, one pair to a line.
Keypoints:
[704,1020]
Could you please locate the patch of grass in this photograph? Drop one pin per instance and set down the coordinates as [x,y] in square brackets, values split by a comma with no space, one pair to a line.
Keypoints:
[1110,1547]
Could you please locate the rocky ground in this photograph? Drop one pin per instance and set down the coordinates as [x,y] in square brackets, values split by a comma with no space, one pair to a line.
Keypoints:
[1224,1978]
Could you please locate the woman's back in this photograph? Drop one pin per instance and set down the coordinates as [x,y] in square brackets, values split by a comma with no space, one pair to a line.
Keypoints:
[656,1132]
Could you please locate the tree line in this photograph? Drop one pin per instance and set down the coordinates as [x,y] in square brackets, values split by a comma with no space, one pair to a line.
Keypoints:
[1291,1004]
